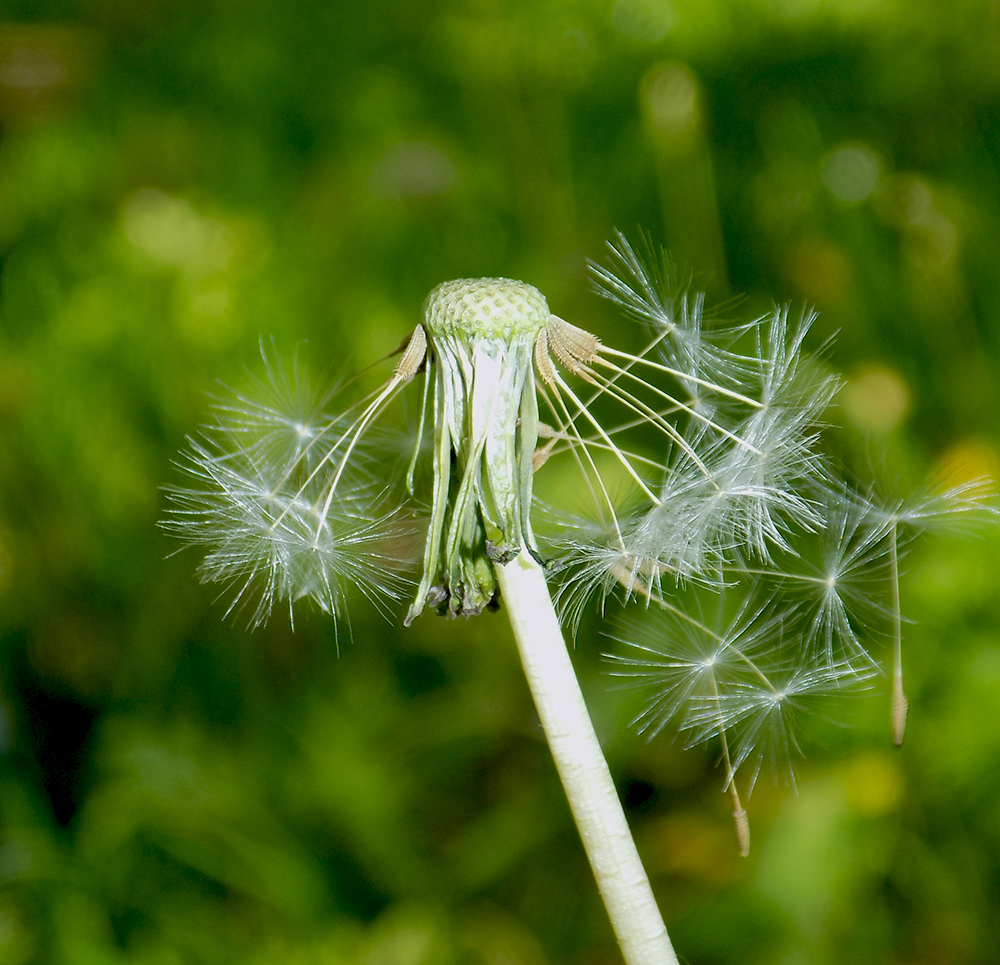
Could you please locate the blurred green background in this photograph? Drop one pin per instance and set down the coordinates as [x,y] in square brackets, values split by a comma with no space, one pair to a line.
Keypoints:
[178,178]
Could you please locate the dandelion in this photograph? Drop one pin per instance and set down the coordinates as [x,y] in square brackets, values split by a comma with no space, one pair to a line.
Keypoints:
[707,500]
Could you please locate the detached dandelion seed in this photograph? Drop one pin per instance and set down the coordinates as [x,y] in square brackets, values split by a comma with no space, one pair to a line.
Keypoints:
[708,492]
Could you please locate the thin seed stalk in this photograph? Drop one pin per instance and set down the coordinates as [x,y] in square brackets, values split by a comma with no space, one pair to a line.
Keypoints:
[899,701]
[582,768]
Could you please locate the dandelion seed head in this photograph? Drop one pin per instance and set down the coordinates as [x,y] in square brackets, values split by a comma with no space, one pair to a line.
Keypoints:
[710,500]
[481,335]
[493,307]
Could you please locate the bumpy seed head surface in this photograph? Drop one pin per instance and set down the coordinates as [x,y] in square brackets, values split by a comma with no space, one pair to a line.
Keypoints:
[492,307]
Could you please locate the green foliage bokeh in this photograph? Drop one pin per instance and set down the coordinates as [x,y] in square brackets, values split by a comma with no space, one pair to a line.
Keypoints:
[179,180]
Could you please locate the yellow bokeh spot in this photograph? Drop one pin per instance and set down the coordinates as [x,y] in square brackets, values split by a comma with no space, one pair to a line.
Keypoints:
[968,460]
[672,98]
[876,400]
[644,20]
[851,172]
[696,846]
[820,271]
[171,233]
[874,783]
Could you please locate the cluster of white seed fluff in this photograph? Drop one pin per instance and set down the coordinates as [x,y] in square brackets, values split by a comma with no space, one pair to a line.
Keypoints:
[284,507]
[702,492]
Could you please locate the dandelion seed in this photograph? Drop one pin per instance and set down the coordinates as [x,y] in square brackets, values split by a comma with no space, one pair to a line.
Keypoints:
[836,588]
[967,503]
[958,505]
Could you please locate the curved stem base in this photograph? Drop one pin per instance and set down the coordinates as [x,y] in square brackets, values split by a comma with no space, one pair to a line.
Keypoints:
[582,768]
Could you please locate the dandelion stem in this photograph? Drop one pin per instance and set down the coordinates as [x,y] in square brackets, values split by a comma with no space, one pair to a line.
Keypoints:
[581,765]
[898,696]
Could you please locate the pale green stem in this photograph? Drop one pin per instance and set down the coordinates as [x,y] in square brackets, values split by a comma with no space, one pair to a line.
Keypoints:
[581,765]
[898,695]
